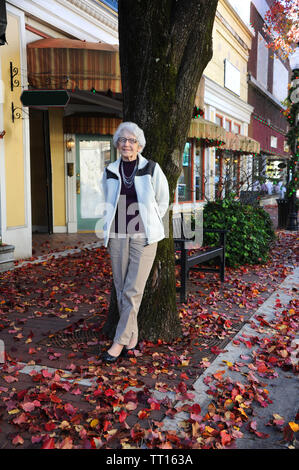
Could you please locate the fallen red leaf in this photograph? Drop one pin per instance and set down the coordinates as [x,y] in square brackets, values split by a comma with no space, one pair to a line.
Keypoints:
[49,443]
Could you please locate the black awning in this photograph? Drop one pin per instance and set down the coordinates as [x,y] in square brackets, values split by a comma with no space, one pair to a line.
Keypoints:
[73,102]
[3,22]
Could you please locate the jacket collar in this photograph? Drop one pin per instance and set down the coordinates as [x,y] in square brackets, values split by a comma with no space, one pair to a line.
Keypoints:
[114,166]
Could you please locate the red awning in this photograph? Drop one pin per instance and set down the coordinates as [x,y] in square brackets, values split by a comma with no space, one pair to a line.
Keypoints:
[72,64]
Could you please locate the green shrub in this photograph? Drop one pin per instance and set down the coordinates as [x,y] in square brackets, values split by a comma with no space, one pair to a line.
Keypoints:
[250,231]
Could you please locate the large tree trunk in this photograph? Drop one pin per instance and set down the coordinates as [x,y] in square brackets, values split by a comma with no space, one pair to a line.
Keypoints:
[165,46]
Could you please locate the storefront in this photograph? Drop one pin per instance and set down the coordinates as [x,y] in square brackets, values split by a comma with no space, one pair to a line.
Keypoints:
[213,158]
[74,113]
[273,162]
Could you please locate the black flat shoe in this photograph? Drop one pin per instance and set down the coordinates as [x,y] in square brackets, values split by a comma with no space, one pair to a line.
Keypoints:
[109,359]
[125,351]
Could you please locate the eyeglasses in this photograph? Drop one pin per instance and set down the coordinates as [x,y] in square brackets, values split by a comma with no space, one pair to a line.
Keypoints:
[123,140]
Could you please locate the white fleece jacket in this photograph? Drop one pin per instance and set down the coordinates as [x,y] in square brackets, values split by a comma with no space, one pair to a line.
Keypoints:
[152,191]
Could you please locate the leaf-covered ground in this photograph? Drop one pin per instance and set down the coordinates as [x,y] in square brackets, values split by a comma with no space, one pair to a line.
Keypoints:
[51,316]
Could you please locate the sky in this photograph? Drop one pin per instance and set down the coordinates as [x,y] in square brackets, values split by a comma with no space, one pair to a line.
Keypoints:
[243,9]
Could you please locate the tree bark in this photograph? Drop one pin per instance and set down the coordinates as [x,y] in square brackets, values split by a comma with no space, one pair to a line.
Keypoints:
[164,47]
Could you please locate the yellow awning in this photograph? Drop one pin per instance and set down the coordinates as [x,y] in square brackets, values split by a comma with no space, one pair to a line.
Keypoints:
[203,129]
[240,143]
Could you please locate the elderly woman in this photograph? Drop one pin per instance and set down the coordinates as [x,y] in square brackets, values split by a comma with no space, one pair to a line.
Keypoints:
[136,198]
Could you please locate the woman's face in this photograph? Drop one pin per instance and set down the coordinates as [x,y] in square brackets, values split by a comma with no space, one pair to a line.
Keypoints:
[128,146]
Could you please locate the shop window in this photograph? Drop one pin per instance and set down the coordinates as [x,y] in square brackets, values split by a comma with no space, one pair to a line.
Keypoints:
[232,173]
[236,174]
[185,179]
[257,170]
[199,174]
[218,175]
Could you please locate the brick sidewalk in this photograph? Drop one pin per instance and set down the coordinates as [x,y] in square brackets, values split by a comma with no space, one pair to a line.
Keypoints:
[51,316]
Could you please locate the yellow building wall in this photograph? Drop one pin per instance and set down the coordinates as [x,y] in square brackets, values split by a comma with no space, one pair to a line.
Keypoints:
[13,139]
[58,166]
[226,46]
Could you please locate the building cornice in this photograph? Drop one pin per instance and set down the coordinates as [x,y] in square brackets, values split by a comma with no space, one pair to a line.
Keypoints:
[225,23]
[248,28]
[80,19]
[226,101]
[94,10]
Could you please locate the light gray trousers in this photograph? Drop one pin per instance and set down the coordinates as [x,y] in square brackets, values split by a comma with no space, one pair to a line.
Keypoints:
[131,264]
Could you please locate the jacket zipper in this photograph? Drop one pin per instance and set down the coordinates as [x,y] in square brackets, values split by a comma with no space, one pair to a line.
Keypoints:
[115,207]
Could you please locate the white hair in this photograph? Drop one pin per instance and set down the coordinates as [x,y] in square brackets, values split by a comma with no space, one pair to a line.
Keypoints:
[133,129]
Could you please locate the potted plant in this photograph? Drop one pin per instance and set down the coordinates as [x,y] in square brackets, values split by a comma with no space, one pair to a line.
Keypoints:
[6,256]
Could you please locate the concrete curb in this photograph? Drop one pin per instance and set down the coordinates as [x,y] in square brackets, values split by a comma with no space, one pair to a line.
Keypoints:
[232,354]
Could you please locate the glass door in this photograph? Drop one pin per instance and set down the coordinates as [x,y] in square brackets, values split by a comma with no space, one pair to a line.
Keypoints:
[93,154]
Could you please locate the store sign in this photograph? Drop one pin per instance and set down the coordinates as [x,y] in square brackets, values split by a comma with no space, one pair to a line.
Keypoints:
[49,98]
[232,77]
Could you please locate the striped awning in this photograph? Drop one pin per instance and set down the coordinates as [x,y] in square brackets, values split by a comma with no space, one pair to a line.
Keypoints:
[72,64]
[240,143]
[203,129]
[90,125]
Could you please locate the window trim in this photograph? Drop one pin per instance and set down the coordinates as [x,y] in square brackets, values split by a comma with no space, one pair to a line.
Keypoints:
[236,124]
[230,124]
[221,119]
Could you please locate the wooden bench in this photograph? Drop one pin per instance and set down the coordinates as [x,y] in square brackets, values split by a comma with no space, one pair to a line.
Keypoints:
[183,244]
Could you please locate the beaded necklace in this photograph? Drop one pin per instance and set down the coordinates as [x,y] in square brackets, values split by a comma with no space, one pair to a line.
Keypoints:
[128,180]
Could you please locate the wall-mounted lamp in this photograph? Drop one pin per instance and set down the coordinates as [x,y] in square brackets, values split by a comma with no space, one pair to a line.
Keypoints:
[70,169]
[70,144]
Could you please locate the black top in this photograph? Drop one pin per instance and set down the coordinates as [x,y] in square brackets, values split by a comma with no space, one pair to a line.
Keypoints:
[124,222]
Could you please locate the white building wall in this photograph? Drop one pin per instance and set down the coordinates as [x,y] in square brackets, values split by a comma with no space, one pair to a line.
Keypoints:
[20,236]
[82,19]
[78,19]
